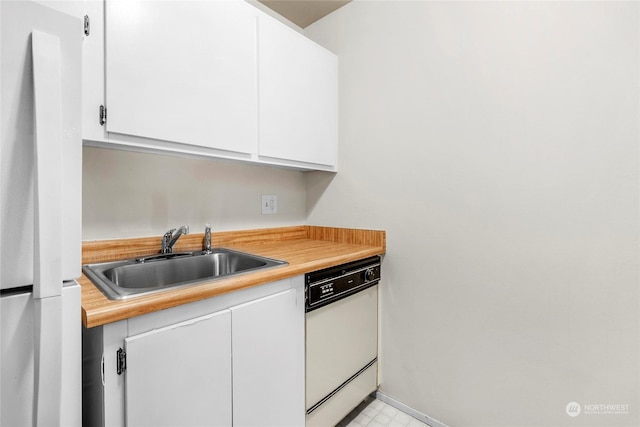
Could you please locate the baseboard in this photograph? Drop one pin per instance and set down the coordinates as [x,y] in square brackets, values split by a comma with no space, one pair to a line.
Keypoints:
[409,411]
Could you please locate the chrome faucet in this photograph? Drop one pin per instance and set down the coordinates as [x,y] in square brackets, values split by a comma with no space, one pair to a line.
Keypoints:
[169,239]
[207,238]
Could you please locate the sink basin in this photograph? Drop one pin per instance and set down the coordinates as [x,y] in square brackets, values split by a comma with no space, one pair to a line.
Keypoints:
[143,276]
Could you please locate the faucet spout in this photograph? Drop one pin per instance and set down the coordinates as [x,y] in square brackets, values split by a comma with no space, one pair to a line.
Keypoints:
[169,239]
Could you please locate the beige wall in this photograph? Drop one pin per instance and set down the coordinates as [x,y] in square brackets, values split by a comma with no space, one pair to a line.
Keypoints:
[497,143]
[128,194]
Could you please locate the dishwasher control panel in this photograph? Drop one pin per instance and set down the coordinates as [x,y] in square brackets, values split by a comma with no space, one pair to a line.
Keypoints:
[325,286]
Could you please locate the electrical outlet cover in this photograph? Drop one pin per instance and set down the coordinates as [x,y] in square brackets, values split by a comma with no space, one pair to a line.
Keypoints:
[269,204]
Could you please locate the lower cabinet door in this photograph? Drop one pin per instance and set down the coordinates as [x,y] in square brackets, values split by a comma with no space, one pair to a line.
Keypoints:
[268,362]
[180,375]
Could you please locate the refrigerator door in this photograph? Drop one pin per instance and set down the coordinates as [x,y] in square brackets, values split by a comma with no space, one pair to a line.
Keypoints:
[17,360]
[18,19]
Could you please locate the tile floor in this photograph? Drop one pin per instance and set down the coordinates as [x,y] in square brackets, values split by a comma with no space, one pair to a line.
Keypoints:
[375,413]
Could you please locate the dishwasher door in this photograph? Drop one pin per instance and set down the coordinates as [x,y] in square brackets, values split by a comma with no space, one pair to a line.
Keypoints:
[342,339]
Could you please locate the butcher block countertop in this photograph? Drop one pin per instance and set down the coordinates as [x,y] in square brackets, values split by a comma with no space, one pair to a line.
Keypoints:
[304,248]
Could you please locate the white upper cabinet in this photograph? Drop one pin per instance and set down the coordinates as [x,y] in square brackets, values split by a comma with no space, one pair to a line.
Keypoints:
[298,102]
[216,78]
[182,71]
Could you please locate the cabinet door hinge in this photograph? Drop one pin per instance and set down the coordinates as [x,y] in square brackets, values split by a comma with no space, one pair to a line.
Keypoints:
[103,115]
[121,361]
[87,25]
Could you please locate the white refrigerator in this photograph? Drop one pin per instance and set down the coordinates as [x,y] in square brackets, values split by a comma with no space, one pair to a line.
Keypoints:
[40,216]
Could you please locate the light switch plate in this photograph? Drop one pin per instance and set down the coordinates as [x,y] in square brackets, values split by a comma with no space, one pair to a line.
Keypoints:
[269,204]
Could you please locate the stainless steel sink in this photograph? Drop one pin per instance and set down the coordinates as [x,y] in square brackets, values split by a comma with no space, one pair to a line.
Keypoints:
[143,276]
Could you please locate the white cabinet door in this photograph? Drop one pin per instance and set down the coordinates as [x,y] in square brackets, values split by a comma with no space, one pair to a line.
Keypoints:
[180,375]
[268,361]
[298,102]
[183,71]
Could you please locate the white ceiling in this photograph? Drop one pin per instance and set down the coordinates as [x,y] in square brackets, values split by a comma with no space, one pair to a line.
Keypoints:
[304,12]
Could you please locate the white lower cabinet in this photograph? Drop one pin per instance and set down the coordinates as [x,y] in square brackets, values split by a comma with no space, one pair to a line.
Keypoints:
[267,360]
[180,375]
[232,360]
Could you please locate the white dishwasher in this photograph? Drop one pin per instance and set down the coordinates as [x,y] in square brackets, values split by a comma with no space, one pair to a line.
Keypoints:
[341,339]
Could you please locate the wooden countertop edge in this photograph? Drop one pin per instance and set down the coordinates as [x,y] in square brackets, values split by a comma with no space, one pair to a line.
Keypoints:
[305,248]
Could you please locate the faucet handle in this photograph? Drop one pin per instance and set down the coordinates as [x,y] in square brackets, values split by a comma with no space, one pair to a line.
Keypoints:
[207,238]
[166,238]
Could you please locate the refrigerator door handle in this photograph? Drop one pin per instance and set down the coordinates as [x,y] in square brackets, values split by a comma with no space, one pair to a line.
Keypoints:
[47,274]
[47,263]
